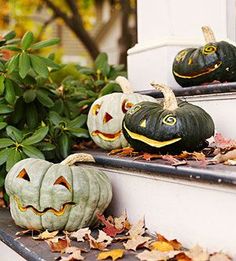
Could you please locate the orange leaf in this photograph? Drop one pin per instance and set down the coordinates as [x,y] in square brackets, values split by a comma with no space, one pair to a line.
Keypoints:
[161,246]
[58,244]
[148,156]
[181,257]
[114,254]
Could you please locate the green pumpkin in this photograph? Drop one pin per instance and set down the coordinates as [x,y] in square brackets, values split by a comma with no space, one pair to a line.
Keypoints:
[168,127]
[215,61]
[61,196]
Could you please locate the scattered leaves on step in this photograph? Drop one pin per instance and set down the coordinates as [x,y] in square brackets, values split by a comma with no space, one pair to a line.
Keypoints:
[75,255]
[109,228]
[81,234]
[114,254]
[136,242]
[124,152]
[137,229]
[46,235]
[58,244]
[156,255]
[101,242]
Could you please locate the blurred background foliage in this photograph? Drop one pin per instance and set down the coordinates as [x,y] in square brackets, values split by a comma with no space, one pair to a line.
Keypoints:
[85,27]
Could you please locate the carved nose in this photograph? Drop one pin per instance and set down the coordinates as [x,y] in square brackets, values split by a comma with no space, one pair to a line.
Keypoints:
[107,117]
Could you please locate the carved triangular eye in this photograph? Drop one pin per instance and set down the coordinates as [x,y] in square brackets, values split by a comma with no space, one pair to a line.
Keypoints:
[62,181]
[23,175]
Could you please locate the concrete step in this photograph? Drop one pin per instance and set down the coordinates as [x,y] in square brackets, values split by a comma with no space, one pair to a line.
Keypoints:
[194,204]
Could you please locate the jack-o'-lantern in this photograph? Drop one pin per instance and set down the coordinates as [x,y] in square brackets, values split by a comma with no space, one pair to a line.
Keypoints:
[170,127]
[106,115]
[61,196]
[215,61]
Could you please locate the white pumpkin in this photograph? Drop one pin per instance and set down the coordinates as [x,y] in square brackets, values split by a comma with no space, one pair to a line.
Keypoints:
[106,115]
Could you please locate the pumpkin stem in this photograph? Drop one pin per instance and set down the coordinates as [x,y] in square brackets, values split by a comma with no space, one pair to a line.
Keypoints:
[208,34]
[124,84]
[170,102]
[77,157]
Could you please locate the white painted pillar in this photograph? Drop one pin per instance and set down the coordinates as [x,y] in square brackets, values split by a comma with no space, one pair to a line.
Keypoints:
[167,26]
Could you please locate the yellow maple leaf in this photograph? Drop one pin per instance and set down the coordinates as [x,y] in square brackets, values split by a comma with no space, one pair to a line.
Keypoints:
[114,254]
[46,235]
[161,246]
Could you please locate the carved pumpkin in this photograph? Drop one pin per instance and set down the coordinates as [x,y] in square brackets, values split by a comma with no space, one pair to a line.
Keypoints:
[61,196]
[215,61]
[170,127]
[106,115]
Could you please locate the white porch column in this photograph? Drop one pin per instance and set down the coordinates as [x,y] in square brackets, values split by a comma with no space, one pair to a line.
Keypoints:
[167,26]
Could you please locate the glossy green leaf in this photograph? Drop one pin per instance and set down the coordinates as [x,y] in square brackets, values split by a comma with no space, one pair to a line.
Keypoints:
[2,85]
[39,67]
[78,121]
[19,111]
[44,99]
[10,35]
[4,155]
[32,117]
[29,95]
[24,64]
[5,142]
[109,88]
[13,63]
[55,118]
[79,132]
[2,67]
[27,40]
[32,152]
[2,125]
[5,109]
[101,64]
[13,157]
[14,133]
[45,43]
[49,62]
[46,146]
[37,136]
[64,145]
[10,94]
[12,48]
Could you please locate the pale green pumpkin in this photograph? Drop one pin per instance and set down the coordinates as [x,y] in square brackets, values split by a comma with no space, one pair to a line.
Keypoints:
[61,196]
[106,115]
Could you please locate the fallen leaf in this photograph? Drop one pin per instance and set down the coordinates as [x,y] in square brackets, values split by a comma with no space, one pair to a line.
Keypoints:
[198,254]
[230,155]
[58,244]
[223,143]
[24,232]
[109,228]
[180,257]
[124,152]
[114,254]
[122,222]
[220,257]
[46,235]
[161,246]
[155,255]
[137,229]
[173,161]
[149,156]
[230,162]
[136,242]
[76,255]
[101,242]
[80,234]
[175,244]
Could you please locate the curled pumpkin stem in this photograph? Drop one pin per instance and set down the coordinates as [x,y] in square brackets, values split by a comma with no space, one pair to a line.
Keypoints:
[77,157]
[124,84]
[208,34]
[170,102]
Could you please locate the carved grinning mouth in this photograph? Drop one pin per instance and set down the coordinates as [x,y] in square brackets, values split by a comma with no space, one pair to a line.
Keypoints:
[197,74]
[56,212]
[107,136]
[151,142]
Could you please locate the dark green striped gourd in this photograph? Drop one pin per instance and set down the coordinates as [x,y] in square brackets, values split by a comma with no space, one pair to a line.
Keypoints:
[168,127]
[215,61]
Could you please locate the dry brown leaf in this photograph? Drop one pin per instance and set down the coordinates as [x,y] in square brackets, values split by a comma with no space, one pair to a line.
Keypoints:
[101,242]
[121,238]
[46,235]
[156,255]
[24,232]
[173,160]
[198,254]
[76,255]
[124,152]
[230,162]
[58,244]
[114,254]
[180,257]
[137,229]
[80,234]
[223,143]
[136,242]
[149,156]
[230,155]
[122,222]
[220,257]
[174,243]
